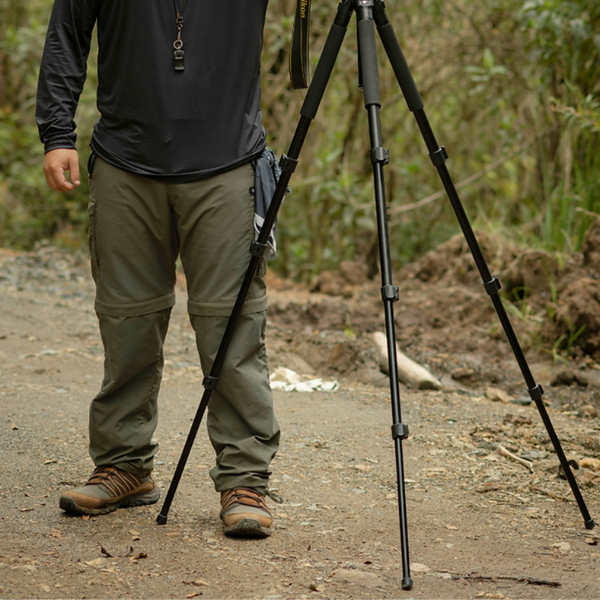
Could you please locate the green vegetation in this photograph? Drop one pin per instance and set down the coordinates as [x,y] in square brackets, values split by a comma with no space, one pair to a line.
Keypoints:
[511,87]
[29,210]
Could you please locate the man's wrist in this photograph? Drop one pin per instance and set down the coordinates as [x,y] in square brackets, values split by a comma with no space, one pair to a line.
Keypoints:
[59,144]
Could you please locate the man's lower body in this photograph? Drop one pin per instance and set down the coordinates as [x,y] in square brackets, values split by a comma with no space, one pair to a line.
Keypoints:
[138,228]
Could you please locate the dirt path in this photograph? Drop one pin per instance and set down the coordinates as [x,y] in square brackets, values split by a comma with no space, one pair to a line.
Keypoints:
[481,525]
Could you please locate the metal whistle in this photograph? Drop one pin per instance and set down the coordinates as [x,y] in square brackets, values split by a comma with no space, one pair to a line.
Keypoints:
[179,60]
[178,56]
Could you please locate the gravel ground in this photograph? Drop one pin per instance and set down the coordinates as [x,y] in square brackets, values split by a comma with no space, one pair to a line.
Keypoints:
[480,523]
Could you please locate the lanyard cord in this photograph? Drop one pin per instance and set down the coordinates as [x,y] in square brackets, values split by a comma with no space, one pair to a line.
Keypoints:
[177,13]
[178,44]
[179,20]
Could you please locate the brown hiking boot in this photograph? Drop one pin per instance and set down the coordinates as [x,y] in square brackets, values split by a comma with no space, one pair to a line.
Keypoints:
[245,514]
[110,488]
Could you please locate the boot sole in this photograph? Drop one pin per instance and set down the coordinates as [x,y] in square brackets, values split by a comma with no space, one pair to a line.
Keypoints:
[69,505]
[247,528]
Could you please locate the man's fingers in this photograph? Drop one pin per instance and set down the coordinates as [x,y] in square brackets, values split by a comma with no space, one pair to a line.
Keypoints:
[74,169]
[56,164]
[55,178]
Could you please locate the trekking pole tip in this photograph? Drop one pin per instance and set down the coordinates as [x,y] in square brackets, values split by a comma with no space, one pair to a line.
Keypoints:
[161,519]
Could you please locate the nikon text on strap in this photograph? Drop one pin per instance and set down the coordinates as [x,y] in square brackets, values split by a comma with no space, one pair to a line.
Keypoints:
[299,75]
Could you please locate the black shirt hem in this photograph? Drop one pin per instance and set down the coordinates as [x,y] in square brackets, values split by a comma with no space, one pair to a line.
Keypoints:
[115,161]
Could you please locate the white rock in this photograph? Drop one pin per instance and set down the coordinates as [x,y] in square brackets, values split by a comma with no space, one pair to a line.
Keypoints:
[409,372]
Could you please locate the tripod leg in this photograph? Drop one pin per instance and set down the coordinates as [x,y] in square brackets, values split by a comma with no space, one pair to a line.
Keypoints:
[389,292]
[288,164]
[491,284]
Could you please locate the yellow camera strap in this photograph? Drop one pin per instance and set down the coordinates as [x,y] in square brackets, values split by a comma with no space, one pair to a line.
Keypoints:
[299,74]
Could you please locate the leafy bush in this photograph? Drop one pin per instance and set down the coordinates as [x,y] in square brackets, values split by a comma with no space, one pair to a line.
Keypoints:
[29,210]
[510,87]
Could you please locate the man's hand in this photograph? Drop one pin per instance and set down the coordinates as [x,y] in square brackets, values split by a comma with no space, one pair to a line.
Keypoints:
[56,164]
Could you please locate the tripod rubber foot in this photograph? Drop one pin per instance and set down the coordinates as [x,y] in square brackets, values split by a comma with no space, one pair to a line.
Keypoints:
[590,524]
[161,519]
[407,583]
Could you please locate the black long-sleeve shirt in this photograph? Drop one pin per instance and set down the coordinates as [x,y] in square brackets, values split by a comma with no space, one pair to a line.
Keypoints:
[156,121]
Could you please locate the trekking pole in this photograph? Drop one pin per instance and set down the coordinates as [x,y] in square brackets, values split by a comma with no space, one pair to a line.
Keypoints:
[438,156]
[258,248]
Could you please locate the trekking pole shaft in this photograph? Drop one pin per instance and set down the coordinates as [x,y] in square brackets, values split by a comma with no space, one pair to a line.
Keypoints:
[161,519]
[379,157]
[438,157]
[492,286]
[288,164]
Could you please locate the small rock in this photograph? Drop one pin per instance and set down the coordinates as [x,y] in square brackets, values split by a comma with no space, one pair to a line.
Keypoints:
[562,546]
[533,454]
[409,372]
[29,568]
[356,577]
[97,563]
[590,442]
[516,420]
[568,377]
[497,395]
[523,401]
[465,375]
[588,412]
[593,464]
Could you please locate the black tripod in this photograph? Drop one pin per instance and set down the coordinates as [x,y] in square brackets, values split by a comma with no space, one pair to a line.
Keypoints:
[371,13]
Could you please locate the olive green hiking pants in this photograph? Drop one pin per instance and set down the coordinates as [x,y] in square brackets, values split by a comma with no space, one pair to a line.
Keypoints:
[138,228]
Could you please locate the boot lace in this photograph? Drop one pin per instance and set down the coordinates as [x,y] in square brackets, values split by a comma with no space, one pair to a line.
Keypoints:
[116,481]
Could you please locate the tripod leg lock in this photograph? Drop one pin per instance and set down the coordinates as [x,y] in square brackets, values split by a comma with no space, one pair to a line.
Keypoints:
[399,431]
[380,155]
[390,293]
[209,382]
[257,249]
[439,157]
[536,392]
[287,164]
[492,287]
